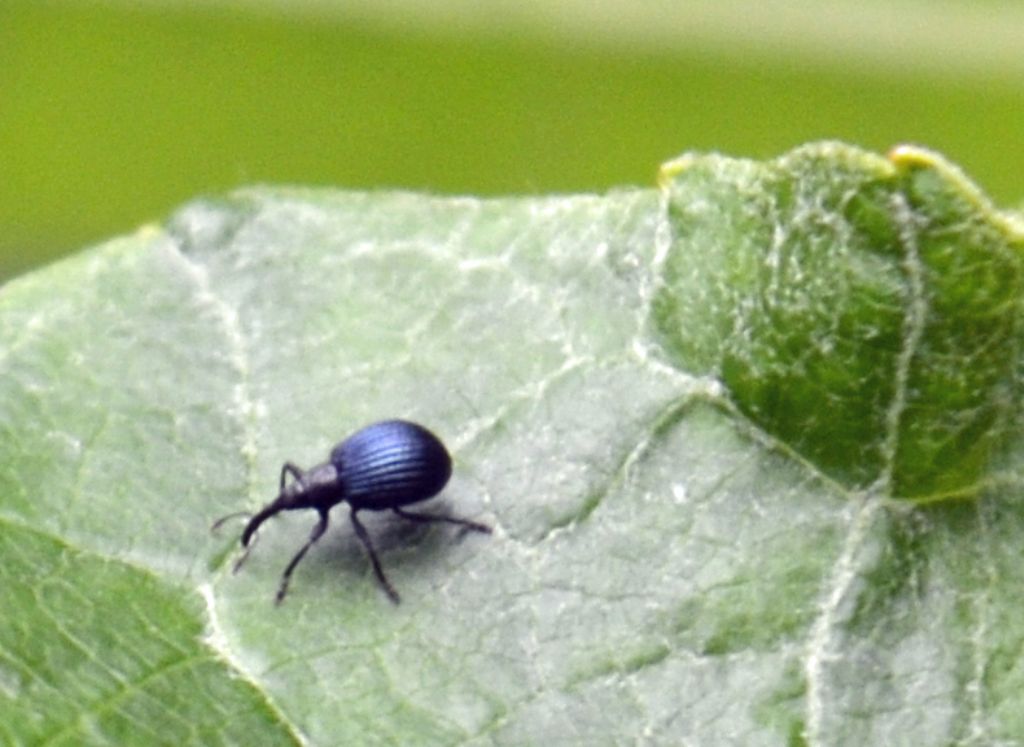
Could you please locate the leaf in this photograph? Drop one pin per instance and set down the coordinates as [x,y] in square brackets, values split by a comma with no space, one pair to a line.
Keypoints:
[883,290]
[703,422]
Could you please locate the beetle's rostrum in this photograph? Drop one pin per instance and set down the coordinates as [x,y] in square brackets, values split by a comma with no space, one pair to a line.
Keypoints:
[384,466]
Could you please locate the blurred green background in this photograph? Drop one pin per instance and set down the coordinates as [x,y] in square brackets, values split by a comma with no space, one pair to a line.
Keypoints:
[113,113]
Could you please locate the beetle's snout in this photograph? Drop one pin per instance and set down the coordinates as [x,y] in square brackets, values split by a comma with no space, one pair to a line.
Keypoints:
[265,513]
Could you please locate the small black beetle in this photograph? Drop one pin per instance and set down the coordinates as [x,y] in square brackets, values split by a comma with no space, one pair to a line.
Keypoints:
[383,466]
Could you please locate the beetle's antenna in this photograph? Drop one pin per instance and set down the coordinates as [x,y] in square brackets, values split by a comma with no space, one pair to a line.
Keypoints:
[249,533]
[245,555]
[220,522]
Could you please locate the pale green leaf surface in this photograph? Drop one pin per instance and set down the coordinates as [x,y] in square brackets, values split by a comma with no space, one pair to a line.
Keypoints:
[716,428]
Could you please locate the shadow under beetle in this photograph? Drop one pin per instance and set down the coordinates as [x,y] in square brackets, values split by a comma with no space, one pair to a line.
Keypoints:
[381,467]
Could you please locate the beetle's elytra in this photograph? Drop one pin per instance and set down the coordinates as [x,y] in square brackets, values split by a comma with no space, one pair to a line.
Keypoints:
[383,466]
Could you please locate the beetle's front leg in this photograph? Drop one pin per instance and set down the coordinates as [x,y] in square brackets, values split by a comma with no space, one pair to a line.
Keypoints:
[290,469]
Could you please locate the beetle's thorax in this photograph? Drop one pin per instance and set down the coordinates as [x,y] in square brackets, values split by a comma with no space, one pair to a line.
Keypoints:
[319,487]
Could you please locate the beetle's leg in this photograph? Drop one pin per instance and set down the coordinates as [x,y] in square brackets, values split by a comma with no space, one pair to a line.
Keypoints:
[317,533]
[428,518]
[290,469]
[365,539]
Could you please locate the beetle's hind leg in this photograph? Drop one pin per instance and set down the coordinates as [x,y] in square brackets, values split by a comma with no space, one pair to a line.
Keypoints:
[431,518]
